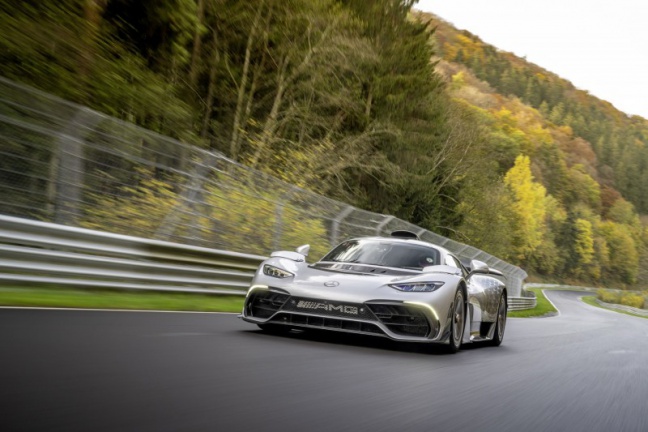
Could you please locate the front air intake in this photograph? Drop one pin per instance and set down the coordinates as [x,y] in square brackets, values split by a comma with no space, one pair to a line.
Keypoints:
[402,320]
[264,304]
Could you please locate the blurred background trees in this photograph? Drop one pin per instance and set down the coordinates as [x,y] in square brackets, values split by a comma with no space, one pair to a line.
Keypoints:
[390,110]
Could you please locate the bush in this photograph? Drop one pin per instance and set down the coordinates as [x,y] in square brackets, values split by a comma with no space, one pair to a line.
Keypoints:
[624,298]
[608,296]
[634,300]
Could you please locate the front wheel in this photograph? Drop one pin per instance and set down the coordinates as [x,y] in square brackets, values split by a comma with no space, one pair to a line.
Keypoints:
[457,325]
[500,324]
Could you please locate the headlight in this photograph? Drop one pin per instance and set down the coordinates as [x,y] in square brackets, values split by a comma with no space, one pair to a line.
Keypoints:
[276,272]
[418,286]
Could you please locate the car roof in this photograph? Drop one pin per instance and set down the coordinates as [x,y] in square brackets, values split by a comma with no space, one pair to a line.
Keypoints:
[406,241]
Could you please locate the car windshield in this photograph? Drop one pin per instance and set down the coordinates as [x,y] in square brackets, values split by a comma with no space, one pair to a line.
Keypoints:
[384,253]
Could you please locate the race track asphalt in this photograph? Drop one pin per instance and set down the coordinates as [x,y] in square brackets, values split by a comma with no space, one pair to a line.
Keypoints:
[584,370]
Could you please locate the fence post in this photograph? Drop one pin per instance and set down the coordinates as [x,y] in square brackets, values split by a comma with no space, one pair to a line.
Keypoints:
[335,229]
[71,165]
[382,224]
[278,230]
[189,199]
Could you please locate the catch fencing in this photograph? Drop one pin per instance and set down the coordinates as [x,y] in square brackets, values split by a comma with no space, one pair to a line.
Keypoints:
[67,164]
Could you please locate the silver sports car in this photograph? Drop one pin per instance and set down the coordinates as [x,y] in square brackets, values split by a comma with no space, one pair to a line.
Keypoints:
[397,287]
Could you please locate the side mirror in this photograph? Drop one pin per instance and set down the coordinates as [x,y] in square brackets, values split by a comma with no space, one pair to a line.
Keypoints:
[303,249]
[478,267]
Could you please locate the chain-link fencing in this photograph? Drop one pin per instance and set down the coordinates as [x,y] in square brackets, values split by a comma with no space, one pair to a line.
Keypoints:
[64,163]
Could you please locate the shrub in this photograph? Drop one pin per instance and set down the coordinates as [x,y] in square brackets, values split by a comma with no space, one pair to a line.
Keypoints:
[631,299]
[608,296]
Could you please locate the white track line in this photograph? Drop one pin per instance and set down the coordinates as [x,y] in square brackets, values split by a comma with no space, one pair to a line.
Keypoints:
[113,310]
[552,303]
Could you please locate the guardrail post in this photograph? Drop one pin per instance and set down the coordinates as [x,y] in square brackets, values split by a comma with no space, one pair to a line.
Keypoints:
[335,228]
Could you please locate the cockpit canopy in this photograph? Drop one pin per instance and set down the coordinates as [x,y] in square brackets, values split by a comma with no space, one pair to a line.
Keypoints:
[383,252]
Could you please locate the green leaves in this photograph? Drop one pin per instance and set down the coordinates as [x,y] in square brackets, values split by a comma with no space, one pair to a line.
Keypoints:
[347,98]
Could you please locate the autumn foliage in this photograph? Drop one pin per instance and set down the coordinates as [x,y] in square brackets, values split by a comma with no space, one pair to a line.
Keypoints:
[367,102]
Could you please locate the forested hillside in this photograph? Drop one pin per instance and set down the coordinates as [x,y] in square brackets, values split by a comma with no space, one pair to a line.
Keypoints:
[372,103]
[575,165]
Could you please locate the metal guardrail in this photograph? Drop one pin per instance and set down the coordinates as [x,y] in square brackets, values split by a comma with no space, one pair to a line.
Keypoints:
[37,252]
[521,303]
[560,286]
[624,308]
[40,252]
[65,163]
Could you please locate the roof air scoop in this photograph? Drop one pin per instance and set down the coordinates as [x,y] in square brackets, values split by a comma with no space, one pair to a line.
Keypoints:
[405,234]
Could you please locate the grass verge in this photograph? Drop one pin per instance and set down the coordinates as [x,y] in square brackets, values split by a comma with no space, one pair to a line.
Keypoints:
[543,307]
[114,299]
[591,300]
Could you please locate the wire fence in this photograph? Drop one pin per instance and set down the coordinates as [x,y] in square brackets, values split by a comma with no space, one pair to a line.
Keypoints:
[64,163]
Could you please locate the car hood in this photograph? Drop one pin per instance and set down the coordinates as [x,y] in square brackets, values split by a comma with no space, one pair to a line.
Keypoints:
[351,282]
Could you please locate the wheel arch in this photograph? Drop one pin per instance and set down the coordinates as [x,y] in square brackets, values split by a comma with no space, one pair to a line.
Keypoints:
[464,289]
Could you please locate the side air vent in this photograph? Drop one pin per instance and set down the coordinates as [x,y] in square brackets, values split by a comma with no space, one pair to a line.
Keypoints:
[405,234]
[264,304]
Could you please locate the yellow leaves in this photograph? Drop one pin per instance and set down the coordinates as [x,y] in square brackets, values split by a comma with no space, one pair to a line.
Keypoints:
[137,210]
[624,212]
[529,206]
[623,254]
[261,221]
[539,134]
[584,188]
[231,215]
[505,116]
[540,76]
[450,51]
[584,244]
[632,299]
[567,130]
[469,46]
[458,80]
[556,214]
[625,298]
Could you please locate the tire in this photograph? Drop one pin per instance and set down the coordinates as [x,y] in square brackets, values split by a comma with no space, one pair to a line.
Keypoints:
[274,328]
[500,323]
[458,322]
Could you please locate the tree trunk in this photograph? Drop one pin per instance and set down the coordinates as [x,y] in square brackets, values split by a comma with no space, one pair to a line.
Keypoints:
[271,121]
[212,87]
[197,45]
[92,12]
[253,85]
[283,82]
[243,84]
[368,103]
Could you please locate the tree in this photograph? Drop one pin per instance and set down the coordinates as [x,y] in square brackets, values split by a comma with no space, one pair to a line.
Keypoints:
[529,207]
[582,188]
[623,212]
[623,255]
[583,245]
